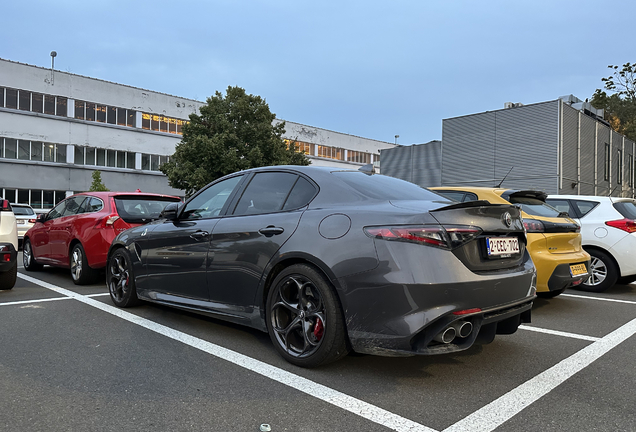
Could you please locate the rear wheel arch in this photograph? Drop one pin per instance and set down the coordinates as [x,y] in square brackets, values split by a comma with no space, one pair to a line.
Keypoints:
[605,251]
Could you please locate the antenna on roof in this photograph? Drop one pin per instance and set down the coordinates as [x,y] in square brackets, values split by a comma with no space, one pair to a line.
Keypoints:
[502,180]
[368,169]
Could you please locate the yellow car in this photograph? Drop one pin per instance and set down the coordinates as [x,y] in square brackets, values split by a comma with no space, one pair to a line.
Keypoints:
[554,242]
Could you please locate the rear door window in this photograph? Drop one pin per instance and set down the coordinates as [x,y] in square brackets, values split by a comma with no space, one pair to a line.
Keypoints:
[73,205]
[266,193]
[562,205]
[91,205]
[139,209]
[627,209]
[301,194]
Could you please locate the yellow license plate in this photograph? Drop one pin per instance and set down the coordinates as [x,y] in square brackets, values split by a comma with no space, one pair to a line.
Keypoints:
[578,269]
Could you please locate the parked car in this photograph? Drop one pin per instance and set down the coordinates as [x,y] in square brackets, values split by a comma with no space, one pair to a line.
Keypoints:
[608,227]
[25,218]
[329,260]
[77,232]
[554,242]
[8,246]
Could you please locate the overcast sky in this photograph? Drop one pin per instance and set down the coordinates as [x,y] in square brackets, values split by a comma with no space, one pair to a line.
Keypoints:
[367,68]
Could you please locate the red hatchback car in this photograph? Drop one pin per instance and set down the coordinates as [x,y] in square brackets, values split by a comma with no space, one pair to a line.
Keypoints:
[77,232]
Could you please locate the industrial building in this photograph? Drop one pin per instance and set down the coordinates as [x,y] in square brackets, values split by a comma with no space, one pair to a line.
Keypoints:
[58,127]
[560,146]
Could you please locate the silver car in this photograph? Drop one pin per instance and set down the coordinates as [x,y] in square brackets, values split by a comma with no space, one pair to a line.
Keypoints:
[24,217]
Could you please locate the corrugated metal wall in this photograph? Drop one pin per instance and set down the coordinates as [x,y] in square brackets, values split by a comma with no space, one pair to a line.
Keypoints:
[588,155]
[602,138]
[418,163]
[480,149]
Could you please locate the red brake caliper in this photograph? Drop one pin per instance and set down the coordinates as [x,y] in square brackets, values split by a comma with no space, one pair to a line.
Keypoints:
[319,329]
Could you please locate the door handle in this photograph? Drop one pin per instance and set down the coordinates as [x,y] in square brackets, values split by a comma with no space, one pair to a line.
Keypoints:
[271,230]
[198,235]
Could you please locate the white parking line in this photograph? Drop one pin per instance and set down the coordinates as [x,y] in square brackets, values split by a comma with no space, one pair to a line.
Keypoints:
[319,391]
[98,295]
[598,298]
[559,333]
[512,403]
[34,301]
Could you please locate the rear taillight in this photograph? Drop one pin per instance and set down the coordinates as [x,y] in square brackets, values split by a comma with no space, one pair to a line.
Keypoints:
[533,226]
[446,237]
[111,219]
[4,205]
[107,221]
[5,253]
[32,220]
[627,225]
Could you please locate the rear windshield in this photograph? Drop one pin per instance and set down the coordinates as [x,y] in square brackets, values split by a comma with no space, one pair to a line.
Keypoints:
[22,211]
[534,206]
[385,188]
[627,209]
[140,209]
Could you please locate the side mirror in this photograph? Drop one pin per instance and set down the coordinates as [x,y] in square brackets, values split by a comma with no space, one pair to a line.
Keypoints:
[170,211]
[41,218]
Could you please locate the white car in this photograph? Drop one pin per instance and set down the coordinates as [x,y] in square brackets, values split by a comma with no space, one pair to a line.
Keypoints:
[8,246]
[25,218]
[608,230]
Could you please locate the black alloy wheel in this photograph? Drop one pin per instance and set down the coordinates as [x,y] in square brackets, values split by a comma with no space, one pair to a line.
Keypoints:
[120,280]
[81,272]
[28,260]
[304,318]
[604,272]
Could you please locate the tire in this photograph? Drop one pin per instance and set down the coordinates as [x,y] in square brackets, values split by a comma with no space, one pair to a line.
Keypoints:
[120,279]
[304,318]
[28,260]
[81,272]
[550,294]
[8,278]
[604,272]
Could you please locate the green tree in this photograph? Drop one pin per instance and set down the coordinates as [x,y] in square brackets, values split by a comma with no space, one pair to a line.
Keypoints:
[620,104]
[97,185]
[232,133]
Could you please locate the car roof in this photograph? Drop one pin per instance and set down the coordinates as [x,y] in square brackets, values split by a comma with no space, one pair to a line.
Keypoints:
[592,197]
[130,194]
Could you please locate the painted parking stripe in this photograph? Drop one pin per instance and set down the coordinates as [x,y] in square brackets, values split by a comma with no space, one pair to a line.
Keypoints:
[559,333]
[98,295]
[512,403]
[33,301]
[311,388]
[598,298]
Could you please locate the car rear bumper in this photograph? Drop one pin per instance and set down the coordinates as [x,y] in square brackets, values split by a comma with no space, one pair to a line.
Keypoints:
[624,251]
[399,317]
[562,277]
[8,256]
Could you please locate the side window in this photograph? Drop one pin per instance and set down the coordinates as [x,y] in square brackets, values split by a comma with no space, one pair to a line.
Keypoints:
[210,202]
[451,195]
[73,205]
[300,195]
[57,211]
[584,207]
[266,193]
[561,205]
[470,197]
[91,205]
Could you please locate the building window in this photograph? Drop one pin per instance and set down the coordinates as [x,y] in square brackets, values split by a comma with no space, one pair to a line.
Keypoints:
[359,157]
[101,113]
[330,152]
[606,166]
[36,198]
[37,102]
[161,123]
[630,168]
[11,98]
[150,162]
[90,111]
[61,106]
[11,148]
[36,151]
[24,100]
[619,173]
[49,104]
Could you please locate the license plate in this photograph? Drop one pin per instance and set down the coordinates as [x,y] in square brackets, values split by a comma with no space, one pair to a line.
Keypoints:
[578,269]
[502,246]
[20,222]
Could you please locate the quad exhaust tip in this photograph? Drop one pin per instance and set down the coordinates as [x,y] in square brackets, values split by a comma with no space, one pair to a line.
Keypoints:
[462,329]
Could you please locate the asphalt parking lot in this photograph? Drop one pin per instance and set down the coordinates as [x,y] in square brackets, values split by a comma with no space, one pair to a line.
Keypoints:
[72,361]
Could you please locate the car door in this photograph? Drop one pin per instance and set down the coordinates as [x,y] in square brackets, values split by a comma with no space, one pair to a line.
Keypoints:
[243,243]
[176,251]
[60,234]
[40,244]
